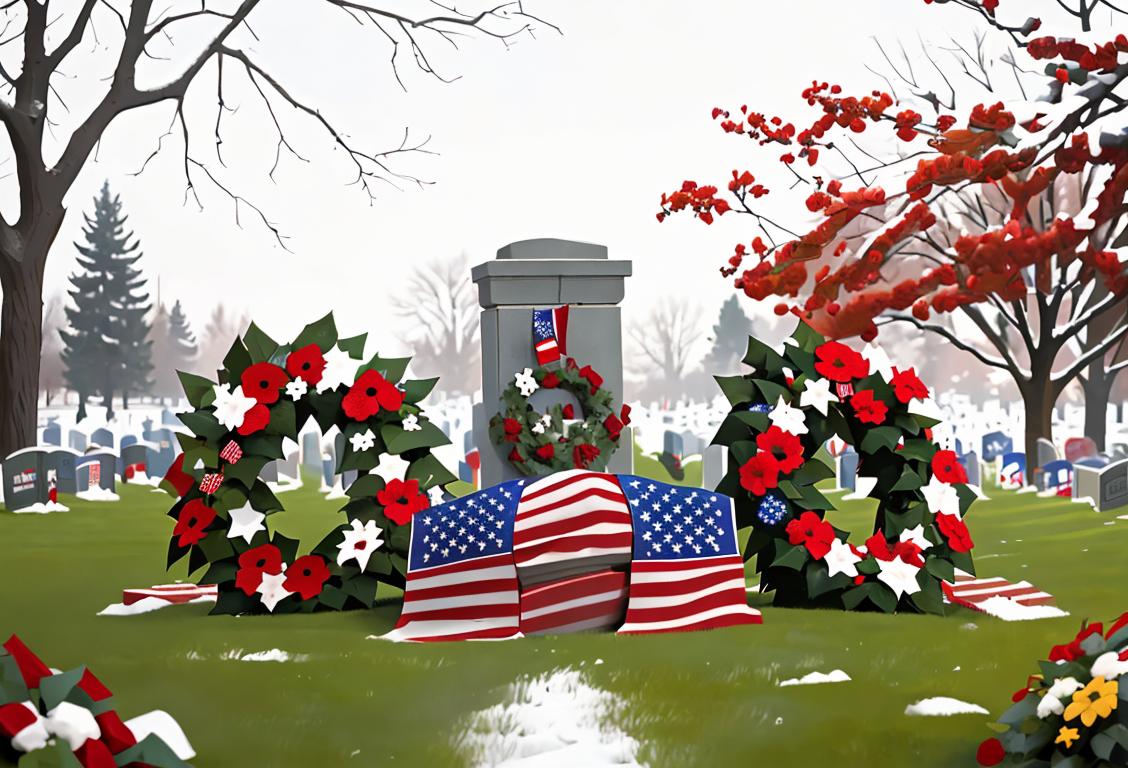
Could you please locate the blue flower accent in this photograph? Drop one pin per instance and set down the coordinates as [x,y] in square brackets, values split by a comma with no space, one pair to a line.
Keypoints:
[760,408]
[772,509]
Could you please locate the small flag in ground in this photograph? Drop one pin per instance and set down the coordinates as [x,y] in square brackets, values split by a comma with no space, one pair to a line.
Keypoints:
[211,482]
[550,334]
[170,593]
[231,452]
[576,604]
[570,523]
[461,577]
[687,572]
[1001,598]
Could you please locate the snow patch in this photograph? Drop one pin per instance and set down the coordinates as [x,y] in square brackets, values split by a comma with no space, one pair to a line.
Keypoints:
[943,706]
[39,508]
[147,605]
[817,678]
[98,493]
[1008,610]
[274,654]
[552,721]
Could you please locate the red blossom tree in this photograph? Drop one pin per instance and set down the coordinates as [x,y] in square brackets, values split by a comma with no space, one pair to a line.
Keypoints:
[975,225]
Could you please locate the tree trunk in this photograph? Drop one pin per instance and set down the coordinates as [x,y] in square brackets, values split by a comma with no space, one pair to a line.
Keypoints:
[108,402]
[1038,401]
[81,407]
[1097,386]
[21,336]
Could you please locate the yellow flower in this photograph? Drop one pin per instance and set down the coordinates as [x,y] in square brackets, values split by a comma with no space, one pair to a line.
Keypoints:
[1097,699]
[1067,736]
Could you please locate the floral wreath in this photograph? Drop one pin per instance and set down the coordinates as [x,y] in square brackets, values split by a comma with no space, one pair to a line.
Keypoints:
[541,444]
[266,394]
[782,413]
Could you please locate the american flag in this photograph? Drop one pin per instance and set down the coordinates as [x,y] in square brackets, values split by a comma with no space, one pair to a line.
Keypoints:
[687,572]
[591,601]
[550,334]
[571,522]
[461,576]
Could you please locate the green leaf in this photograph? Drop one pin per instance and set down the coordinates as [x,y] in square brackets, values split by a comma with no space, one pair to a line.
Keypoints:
[57,754]
[283,420]
[941,568]
[263,499]
[55,689]
[819,582]
[807,337]
[772,392]
[736,389]
[429,471]
[151,750]
[238,359]
[812,471]
[354,345]
[399,440]
[417,390]
[203,424]
[763,357]
[260,346]
[877,438]
[333,597]
[921,450]
[391,368]
[196,388]
[365,486]
[929,599]
[789,556]
[909,480]
[321,332]
[216,546]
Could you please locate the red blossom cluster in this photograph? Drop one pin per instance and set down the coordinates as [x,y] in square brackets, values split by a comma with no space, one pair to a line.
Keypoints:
[703,201]
[1099,58]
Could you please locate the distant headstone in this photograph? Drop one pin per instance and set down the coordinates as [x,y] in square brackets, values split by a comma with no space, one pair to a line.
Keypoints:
[169,419]
[1046,452]
[288,467]
[673,444]
[53,434]
[132,459]
[328,473]
[1106,487]
[102,437]
[160,458]
[269,472]
[1079,448]
[311,451]
[62,462]
[127,440]
[468,442]
[25,478]
[714,464]
[348,477]
[1095,462]
[76,440]
[96,470]
[971,463]
[1012,472]
[1119,451]
[1056,476]
[995,444]
[692,445]
[847,465]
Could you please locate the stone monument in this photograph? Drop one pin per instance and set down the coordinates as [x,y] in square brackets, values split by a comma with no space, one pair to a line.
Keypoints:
[538,274]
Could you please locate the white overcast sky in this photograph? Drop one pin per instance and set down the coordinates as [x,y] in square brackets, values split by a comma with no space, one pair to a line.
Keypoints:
[571,136]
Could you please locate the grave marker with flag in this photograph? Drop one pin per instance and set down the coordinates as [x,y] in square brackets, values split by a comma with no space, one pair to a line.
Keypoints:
[550,334]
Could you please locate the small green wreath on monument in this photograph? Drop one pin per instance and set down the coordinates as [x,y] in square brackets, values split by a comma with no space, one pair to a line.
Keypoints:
[543,443]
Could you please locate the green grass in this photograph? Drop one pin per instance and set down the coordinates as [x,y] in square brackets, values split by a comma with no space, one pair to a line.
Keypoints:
[698,699]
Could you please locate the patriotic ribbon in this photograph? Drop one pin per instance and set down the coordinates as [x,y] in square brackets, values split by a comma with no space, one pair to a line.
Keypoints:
[211,482]
[231,452]
[550,334]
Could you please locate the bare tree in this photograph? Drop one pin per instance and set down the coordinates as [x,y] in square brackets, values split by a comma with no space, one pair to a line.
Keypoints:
[221,57]
[442,309]
[667,338]
[51,378]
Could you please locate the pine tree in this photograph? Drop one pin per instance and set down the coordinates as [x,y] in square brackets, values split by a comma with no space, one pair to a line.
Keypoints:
[174,349]
[107,349]
[730,339]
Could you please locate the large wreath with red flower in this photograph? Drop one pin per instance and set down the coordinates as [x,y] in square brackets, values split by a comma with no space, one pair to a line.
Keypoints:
[783,413]
[543,443]
[266,393]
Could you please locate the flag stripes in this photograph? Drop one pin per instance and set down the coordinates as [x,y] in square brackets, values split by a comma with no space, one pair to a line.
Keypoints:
[703,593]
[170,593]
[593,601]
[968,591]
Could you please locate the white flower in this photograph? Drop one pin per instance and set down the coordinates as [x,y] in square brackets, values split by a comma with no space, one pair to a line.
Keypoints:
[339,369]
[1051,704]
[817,394]
[916,536]
[271,591]
[787,418]
[525,382]
[34,736]
[899,576]
[360,542]
[941,497]
[879,361]
[1109,666]
[231,407]
[297,388]
[841,559]
[543,424]
[411,423]
[246,521]
[362,441]
[73,724]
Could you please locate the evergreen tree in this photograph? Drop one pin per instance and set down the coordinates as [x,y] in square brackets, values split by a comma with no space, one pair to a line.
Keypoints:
[730,339]
[107,349]
[174,349]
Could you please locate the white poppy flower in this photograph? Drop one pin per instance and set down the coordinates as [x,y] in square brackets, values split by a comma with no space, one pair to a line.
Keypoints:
[816,394]
[899,576]
[916,536]
[339,369]
[271,591]
[941,497]
[411,423]
[787,418]
[246,521]
[1109,666]
[841,559]
[231,407]
[525,382]
[359,543]
[362,441]
[297,388]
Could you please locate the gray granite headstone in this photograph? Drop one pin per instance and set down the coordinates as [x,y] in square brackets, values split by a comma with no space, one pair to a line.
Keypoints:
[538,274]
[848,469]
[1046,452]
[311,451]
[25,478]
[971,464]
[97,470]
[77,440]
[53,434]
[169,419]
[269,473]
[289,467]
[102,437]
[133,455]
[160,459]
[714,464]
[673,444]
[62,462]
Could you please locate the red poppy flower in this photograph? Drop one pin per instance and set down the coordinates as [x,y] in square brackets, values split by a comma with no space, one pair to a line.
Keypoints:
[760,473]
[614,426]
[583,455]
[515,456]
[785,448]
[95,754]
[877,546]
[955,531]
[1073,650]
[947,468]
[401,500]
[513,430]
[860,579]
[369,394]
[31,667]
[593,378]
[907,386]
[255,420]
[546,452]
[265,558]
[990,752]
[550,380]
[909,552]
[813,532]
[264,382]
[307,363]
[625,414]
[838,362]
[307,576]
[568,412]
[192,522]
[867,409]
[115,734]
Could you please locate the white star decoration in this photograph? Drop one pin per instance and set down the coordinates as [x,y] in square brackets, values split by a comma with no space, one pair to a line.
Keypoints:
[246,521]
[297,388]
[339,369]
[817,394]
[271,591]
[941,497]
[841,559]
[411,423]
[362,441]
[916,536]
[525,382]
[899,576]
[231,407]
[359,543]
[879,361]
[787,418]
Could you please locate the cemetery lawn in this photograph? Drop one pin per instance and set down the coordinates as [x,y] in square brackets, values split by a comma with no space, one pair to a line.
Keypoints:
[702,699]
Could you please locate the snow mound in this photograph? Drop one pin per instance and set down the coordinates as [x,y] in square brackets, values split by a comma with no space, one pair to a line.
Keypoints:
[147,605]
[943,706]
[1008,610]
[98,493]
[817,678]
[552,721]
[39,508]
[274,654]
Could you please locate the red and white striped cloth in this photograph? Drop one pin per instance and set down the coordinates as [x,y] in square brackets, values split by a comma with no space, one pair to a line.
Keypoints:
[175,594]
[577,604]
[675,596]
[569,523]
[969,591]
